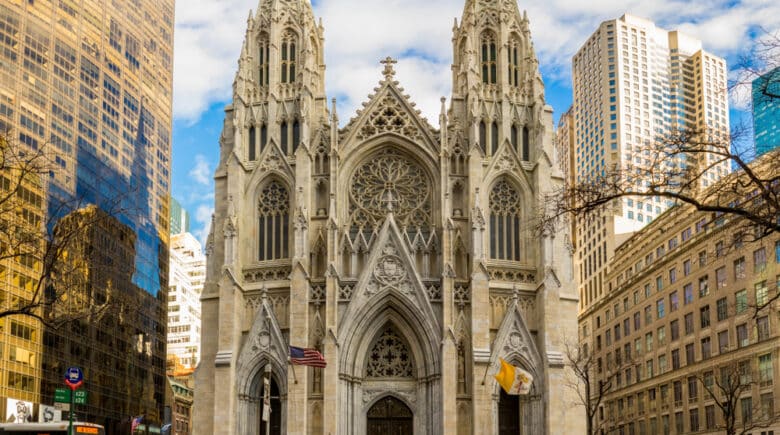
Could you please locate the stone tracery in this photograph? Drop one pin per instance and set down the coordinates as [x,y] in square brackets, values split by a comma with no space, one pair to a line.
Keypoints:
[389,357]
[390,181]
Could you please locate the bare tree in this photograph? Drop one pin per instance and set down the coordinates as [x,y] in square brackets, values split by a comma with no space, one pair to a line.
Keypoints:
[731,392]
[594,380]
[34,246]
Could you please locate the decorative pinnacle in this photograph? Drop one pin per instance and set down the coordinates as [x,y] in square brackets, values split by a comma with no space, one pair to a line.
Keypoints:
[389,71]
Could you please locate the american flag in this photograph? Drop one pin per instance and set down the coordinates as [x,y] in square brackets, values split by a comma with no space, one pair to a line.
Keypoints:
[307,357]
[136,421]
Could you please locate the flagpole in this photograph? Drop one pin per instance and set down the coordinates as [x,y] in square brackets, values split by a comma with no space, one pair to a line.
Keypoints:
[292,366]
[486,372]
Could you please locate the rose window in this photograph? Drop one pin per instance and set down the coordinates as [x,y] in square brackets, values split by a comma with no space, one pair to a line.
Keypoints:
[387,182]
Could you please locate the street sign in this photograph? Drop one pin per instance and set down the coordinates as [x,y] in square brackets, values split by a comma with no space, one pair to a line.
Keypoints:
[62,406]
[62,395]
[80,397]
[74,377]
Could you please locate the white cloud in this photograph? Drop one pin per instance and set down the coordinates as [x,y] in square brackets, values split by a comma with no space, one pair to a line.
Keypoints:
[201,172]
[203,218]
[358,33]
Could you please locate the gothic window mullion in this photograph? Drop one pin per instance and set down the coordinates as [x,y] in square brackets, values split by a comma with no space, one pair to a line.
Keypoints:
[273,223]
[505,222]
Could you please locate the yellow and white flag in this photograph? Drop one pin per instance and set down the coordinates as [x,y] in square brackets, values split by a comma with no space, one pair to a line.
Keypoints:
[513,380]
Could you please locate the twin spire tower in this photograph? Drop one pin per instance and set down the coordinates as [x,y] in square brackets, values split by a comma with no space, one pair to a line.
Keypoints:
[406,253]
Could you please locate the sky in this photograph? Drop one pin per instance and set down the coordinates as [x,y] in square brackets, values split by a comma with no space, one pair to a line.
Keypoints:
[358,33]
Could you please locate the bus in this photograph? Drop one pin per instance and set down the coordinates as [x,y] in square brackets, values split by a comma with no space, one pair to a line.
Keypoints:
[59,428]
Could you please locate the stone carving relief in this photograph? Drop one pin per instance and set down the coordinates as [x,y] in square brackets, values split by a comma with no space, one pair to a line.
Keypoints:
[371,393]
[390,357]
[346,291]
[389,181]
[273,273]
[389,272]
[390,116]
[273,161]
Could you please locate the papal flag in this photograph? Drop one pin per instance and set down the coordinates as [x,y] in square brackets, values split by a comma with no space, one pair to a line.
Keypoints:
[514,380]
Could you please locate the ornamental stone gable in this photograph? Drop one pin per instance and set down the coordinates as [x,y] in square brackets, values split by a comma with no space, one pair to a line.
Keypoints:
[405,253]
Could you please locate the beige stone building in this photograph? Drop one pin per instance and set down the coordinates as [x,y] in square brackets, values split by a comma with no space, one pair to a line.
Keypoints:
[634,82]
[687,305]
[405,252]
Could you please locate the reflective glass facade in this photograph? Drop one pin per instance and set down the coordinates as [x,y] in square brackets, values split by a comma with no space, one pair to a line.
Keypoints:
[766,111]
[91,81]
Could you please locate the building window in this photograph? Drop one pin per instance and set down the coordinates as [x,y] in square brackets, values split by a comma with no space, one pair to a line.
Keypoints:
[722,307]
[746,405]
[263,57]
[694,414]
[687,267]
[704,287]
[505,238]
[762,326]
[765,369]
[273,226]
[741,301]
[688,293]
[674,302]
[739,268]
[263,137]
[709,416]
[489,66]
[690,354]
[759,260]
[482,134]
[285,134]
[493,138]
[674,329]
[677,388]
[720,277]
[762,295]
[660,312]
[251,145]
[513,60]
[723,341]
[289,55]
[661,335]
[706,347]
[526,145]
[704,315]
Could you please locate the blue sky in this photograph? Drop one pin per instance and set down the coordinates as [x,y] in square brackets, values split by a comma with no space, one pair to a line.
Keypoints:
[358,33]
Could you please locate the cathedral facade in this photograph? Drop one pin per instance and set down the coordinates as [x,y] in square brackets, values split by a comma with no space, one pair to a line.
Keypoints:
[407,254]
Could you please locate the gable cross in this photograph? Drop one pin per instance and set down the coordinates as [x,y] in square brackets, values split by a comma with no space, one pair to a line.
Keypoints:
[389,71]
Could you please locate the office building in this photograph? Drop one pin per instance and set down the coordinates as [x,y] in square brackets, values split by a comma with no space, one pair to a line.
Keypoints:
[91,82]
[634,84]
[766,111]
[688,320]
[187,275]
[180,218]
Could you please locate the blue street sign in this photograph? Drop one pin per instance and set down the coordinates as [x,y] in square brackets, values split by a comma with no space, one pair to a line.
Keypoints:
[74,376]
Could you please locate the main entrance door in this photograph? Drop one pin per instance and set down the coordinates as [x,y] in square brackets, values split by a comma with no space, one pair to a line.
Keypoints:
[390,416]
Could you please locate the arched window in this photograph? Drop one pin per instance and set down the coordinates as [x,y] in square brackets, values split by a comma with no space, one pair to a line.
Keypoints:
[263,137]
[504,222]
[526,145]
[482,135]
[389,356]
[488,58]
[273,229]
[263,60]
[288,57]
[296,135]
[285,138]
[514,138]
[251,144]
[513,58]
[493,138]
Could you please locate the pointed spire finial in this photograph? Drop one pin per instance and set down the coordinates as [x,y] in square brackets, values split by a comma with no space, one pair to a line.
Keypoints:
[389,71]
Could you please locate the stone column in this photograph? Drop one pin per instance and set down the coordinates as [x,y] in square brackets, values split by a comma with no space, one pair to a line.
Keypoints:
[297,376]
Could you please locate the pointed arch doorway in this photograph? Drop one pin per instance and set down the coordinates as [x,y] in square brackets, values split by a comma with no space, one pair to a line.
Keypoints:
[390,416]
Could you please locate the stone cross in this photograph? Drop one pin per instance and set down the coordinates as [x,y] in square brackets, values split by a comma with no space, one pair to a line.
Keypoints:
[389,71]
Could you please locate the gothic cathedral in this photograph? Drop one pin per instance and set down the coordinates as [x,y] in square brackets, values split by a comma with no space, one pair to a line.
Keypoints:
[407,254]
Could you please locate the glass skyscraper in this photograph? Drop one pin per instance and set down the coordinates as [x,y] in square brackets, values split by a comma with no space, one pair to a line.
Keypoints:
[766,111]
[91,82]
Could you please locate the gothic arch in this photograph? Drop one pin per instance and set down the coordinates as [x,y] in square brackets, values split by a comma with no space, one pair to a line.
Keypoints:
[285,219]
[262,346]
[508,204]
[515,345]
